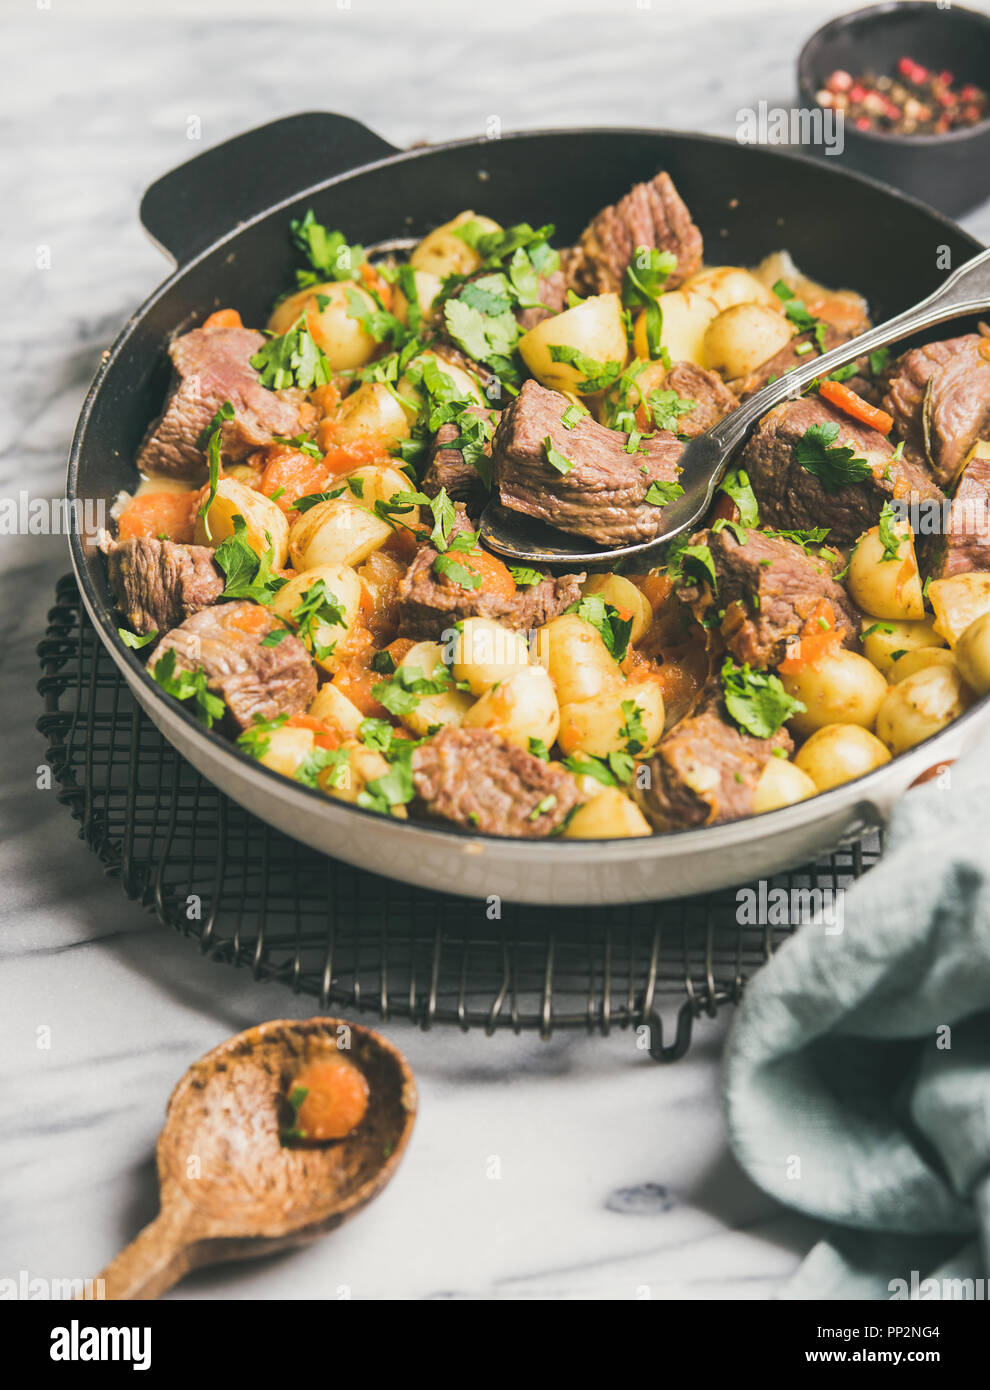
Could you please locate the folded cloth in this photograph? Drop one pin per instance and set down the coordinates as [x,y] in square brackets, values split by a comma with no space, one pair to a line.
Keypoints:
[857,1072]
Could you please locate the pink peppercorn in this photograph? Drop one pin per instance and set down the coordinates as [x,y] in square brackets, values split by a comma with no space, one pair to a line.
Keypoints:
[840,81]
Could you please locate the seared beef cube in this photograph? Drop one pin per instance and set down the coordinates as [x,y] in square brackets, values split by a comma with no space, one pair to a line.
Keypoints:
[552,294]
[651,215]
[477,780]
[705,771]
[768,588]
[158,584]
[210,366]
[602,495]
[430,603]
[712,398]
[225,641]
[791,498]
[448,469]
[956,409]
[966,543]
[907,384]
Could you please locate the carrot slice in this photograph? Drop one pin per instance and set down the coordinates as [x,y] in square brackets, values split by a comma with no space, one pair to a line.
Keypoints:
[170,514]
[223,318]
[818,637]
[846,400]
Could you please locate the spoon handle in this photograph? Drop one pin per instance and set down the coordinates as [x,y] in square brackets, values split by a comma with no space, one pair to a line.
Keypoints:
[966,291]
[158,1257]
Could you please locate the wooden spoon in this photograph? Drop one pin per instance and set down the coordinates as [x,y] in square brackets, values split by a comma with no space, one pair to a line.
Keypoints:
[230,1189]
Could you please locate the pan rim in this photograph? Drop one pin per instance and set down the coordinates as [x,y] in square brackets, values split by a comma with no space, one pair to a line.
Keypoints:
[683,840]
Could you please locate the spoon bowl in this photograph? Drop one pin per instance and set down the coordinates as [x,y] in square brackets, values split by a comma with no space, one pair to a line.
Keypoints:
[230,1189]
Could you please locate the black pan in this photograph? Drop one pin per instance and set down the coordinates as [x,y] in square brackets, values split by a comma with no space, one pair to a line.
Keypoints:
[223,218]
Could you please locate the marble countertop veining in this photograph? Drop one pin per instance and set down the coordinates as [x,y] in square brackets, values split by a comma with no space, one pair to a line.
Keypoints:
[574,1168]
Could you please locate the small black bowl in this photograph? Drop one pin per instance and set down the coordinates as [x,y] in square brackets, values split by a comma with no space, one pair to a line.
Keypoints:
[952,171]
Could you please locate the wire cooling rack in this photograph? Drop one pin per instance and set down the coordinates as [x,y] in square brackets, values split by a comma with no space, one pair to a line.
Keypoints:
[258,900]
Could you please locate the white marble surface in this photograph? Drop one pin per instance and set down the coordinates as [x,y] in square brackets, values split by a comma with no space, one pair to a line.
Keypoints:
[615,1177]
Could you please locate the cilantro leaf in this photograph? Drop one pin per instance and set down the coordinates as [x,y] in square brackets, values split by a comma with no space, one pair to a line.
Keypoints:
[256,738]
[292,359]
[756,700]
[248,574]
[604,618]
[833,465]
[318,761]
[327,252]
[400,694]
[318,608]
[736,485]
[188,685]
[645,278]
[599,376]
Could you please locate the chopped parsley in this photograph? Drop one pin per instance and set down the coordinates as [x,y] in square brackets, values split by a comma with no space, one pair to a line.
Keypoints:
[539,750]
[327,252]
[797,311]
[292,359]
[604,618]
[337,760]
[833,465]
[645,277]
[542,807]
[633,730]
[132,640]
[249,575]
[813,536]
[756,700]
[400,695]
[736,485]
[696,558]
[188,685]
[572,416]
[555,458]
[524,577]
[659,493]
[318,608]
[667,407]
[312,499]
[456,572]
[610,771]
[211,439]
[300,442]
[878,359]
[889,538]
[598,376]
[875,627]
[257,737]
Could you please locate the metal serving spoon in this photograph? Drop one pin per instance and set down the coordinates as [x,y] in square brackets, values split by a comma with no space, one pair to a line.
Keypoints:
[230,1190]
[705,458]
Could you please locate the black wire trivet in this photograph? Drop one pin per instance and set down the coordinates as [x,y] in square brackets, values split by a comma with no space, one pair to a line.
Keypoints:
[255,898]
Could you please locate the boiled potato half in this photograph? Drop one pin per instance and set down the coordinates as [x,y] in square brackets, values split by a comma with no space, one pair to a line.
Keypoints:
[483,653]
[372,412]
[520,708]
[837,753]
[609,815]
[886,585]
[743,337]
[958,602]
[884,640]
[432,711]
[442,252]
[266,524]
[593,327]
[920,706]
[600,725]
[342,587]
[336,531]
[623,595]
[973,655]
[782,783]
[579,663]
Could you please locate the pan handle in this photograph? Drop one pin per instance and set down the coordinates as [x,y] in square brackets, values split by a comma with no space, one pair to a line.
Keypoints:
[190,208]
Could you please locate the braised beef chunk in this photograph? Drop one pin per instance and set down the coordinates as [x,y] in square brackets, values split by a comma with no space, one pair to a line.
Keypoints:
[705,771]
[477,780]
[712,398]
[956,411]
[651,215]
[924,372]
[552,294]
[792,498]
[225,641]
[210,366]
[429,603]
[602,495]
[768,588]
[447,468]
[966,543]
[158,584]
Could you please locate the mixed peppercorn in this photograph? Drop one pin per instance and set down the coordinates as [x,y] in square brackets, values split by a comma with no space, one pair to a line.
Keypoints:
[914,101]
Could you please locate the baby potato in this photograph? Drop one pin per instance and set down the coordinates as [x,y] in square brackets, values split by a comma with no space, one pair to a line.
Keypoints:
[609,815]
[888,638]
[447,707]
[920,706]
[336,709]
[686,316]
[465,384]
[375,482]
[427,286]
[341,586]
[371,412]
[782,783]
[598,725]
[347,781]
[520,708]
[484,653]
[917,659]
[742,337]
[726,285]
[267,527]
[973,655]
[837,753]
[287,748]
[958,602]
[336,532]
[623,595]
[443,253]
[333,329]
[579,663]
[841,687]
[594,326]
[887,588]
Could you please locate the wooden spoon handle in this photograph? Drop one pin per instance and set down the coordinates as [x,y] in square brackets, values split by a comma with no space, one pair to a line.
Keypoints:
[157,1258]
